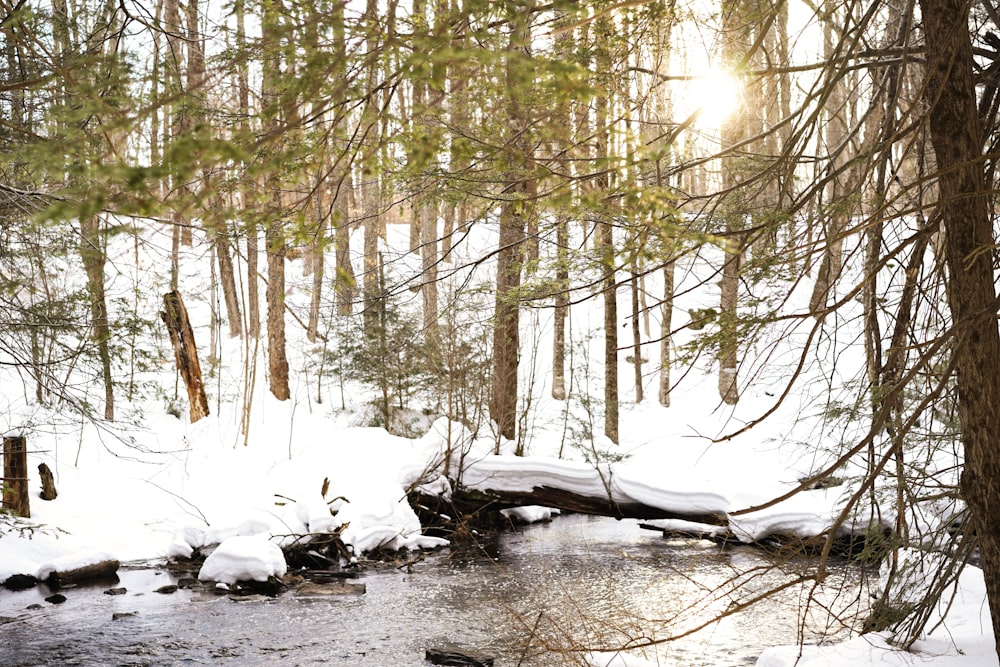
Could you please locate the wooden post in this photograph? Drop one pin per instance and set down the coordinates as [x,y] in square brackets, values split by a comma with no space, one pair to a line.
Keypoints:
[185,352]
[15,475]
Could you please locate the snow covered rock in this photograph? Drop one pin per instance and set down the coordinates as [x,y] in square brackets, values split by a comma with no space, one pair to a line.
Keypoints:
[244,558]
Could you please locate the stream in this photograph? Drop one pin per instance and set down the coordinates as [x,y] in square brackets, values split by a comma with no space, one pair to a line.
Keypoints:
[532,597]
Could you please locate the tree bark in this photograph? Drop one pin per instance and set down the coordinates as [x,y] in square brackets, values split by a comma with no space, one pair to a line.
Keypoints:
[49,491]
[955,135]
[429,272]
[93,256]
[510,256]
[561,312]
[605,227]
[667,310]
[15,476]
[175,316]
[228,280]
[506,324]
[275,294]
[243,89]
[636,332]
[728,322]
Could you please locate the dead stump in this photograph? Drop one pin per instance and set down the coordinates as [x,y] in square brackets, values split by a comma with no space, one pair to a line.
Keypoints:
[48,482]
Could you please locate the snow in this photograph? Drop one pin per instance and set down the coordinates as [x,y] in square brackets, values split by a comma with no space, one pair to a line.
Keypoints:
[529,513]
[238,486]
[963,637]
[244,558]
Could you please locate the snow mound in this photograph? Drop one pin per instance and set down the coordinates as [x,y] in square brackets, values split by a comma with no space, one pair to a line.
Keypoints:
[244,558]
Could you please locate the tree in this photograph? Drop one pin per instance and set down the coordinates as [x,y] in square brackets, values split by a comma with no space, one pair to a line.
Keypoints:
[515,208]
[274,234]
[965,215]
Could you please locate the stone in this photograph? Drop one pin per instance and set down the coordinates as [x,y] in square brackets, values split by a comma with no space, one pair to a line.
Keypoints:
[116,591]
[457,656]
[166,590]
[20,582]
[58,598]
[317,589]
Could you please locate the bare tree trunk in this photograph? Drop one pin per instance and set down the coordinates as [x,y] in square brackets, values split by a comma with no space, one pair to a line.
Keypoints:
[228,280]
[965,210]
[15,476]
[346,285]
[666,325]
[838,190]
[243,89]
[93,256]
[510,256]
[561,312]
[506,322]
[729,341]
[605,227]
[636,332]
[275,294]
[429,272]
[274,236]
[735,46]
[317,264]
[175,316]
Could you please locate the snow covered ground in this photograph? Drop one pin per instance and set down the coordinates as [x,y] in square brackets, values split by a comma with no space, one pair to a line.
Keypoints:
[155,486]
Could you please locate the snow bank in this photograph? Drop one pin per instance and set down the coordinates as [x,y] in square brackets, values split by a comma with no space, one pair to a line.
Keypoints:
[961,635]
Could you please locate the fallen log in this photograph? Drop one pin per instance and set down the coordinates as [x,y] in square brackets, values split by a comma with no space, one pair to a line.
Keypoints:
[569,501]
[57,577]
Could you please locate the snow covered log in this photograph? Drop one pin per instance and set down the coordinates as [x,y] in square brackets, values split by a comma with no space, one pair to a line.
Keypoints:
[581,487]
[571,501]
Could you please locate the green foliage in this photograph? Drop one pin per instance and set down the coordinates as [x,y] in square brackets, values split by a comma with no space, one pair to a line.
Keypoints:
[389,357]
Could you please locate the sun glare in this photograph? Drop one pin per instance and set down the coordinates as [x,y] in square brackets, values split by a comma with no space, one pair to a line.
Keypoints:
[715,96]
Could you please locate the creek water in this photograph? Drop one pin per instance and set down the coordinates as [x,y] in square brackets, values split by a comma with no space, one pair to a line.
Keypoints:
[531,597]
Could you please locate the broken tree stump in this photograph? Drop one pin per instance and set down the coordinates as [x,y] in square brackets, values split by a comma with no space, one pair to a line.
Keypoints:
[15,475]
[48,482]
[175,316]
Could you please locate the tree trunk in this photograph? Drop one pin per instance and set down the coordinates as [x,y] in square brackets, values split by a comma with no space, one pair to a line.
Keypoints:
[228,280]
[275,294]
[429,260]
[92,254]
[175,316]
[506,324]
[605,227]
[666,325]
[510,256]
[274,234]
[243,89]
[728,321]
[838,191]
[561,312]
[316,264]
[955,135]
[15,476]
[636,332]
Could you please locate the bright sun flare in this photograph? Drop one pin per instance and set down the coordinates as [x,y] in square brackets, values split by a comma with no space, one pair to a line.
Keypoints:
[717,95]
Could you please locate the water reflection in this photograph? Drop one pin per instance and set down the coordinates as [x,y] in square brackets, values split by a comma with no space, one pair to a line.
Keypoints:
[530,598]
